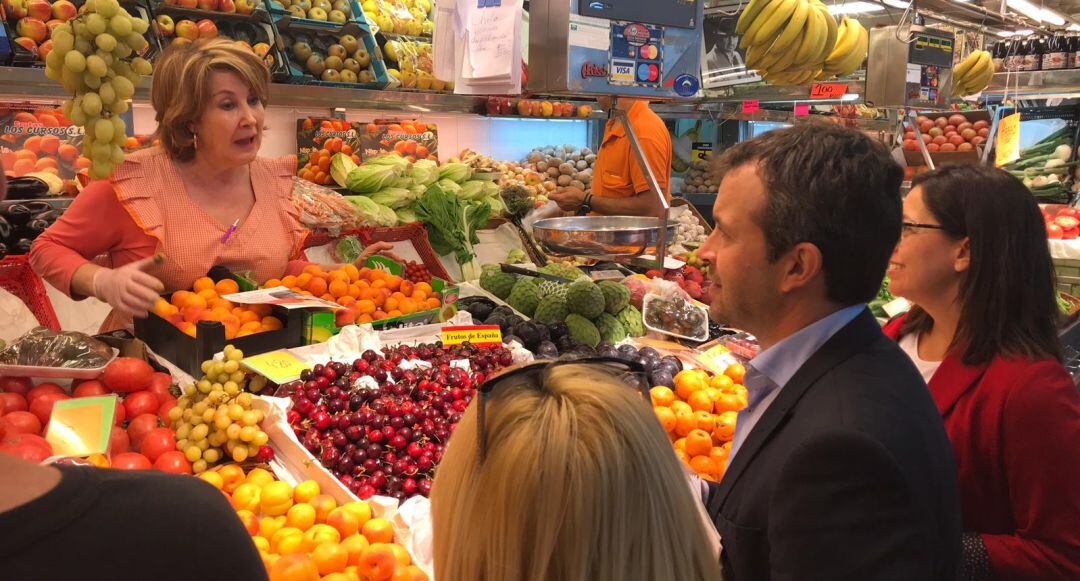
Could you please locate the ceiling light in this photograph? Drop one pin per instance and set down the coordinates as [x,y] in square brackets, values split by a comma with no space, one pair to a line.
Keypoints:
[901,4]
[1053,17]
[1073,27]
[1038,13]
[854,8]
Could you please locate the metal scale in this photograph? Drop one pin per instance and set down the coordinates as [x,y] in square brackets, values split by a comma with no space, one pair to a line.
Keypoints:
[620,48]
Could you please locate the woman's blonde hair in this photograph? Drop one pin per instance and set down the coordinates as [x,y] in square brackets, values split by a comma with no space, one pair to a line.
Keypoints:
[181,87]
[579,482]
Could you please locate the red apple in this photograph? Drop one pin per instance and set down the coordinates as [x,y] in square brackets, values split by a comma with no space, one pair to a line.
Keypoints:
[39,9]
[187,29]
[207,28]
[909,135]
[965,147]
[922,119]
[965,125]
[211,5]
[227,6]
[933,147]
[523,107]
[926,138]
[948,147]
[584,110]
[64,10]
[956,139]
[911,145]
[950,129]
[956,119]
[980,125]
[165,25]
[983,132]
[941,122]
[245,6]
[935,132]
[968,133]
[977,140]
[32,28]
[15,9]
[925,126]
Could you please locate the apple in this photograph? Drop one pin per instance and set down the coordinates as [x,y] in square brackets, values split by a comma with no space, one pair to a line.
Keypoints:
[948,147]
[342,5]
[165,25]
[925,126]
[935,132]
[956,139]
[348,76]
[352,65]
[315,65]
[227,6]
[349,42]
[297,12]
[317,13]
[337,16]
[977,140]
[210,5]
[207,28]
[909,135]
[363,57]
[980,125]
[968,133]
[983,132]
[965,125]
[940,140]
[331,76]
[180,41]
[305,4]
[523,108]
[64,10]
[537,108]
[546,109]
[52,24]
[366,76]
[922,119]
[334,62]
[965,147]
[187,29]
[933,147]
[44,50]
[926,138]
[950,129]
[301,50]
[32,28]
[245,6]
[324,4]
[957,119]
[911,145]
[941,122]
[15,9]
[39,9]
[336,50]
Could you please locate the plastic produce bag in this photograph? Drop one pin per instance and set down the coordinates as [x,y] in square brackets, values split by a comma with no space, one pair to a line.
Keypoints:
[42,347]
[668,309]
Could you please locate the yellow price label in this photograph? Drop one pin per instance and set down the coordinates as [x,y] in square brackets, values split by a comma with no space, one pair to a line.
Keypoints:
[1007,145]
[81,426]
[277,366]
[475,334]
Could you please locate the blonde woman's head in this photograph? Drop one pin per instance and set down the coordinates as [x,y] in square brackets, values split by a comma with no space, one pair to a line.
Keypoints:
[209,97]
[579,482]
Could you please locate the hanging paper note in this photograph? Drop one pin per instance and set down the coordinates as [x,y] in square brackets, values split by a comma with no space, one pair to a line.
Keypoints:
[1007,148]
[81,426]
[277,366]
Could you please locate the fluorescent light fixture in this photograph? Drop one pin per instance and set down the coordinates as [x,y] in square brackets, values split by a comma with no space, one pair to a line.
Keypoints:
[901,4]
[1008,33]
[1038,13]
[854,8]
[1073,27]
[1053,17]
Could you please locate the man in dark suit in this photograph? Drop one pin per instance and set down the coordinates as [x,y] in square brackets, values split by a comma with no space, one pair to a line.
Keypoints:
[840,467]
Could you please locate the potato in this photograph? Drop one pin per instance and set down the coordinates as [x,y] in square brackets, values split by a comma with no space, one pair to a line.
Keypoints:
[553,172]
[582,165]
[577,184]
[591,158]
[567,169]
[541,166]
[564,180]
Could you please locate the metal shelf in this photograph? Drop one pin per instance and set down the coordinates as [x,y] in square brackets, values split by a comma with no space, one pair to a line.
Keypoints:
[1064,84]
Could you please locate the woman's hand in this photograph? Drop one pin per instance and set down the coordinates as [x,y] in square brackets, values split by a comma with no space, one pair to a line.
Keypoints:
[129,289]
[380,248]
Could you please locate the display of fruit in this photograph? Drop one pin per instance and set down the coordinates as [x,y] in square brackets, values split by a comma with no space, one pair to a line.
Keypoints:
[852,42]
[381,428]
[177,28]
[677,316]
[1062,224]
[36,143]
[416,272]
[138,436]
[700,178]
[331,58]
[315,165]
[214,420]
[787,41]
[204,303]
[94,57]
[699,414]
[224,6]
[410,62]
[33,22]
[946,133]
[972,74]
[536,108]
[547,168]
[408,17]
[338,11]
[367,294]
[690,278]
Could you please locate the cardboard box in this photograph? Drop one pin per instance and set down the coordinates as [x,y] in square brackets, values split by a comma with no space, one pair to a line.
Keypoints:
[940,158]
[412,140]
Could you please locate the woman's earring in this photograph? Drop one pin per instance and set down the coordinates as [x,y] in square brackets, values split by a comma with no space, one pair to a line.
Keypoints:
[195,140]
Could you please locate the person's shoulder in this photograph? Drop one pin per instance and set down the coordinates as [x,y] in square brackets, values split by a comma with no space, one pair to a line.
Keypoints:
[1029,383]
[282,167]
[153,495]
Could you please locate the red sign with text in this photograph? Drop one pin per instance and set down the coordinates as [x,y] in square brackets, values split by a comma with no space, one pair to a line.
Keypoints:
[828,90]
[750,107]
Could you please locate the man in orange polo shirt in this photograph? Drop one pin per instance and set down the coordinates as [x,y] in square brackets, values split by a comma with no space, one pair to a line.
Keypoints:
[619,186]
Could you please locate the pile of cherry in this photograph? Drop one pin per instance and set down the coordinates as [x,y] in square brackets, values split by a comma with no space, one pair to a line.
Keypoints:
[385,435]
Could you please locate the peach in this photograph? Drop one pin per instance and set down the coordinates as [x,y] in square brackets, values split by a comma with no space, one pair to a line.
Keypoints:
[187,30]
[27,43]
[64,10]
[32,28]
[39,9]
[211,5]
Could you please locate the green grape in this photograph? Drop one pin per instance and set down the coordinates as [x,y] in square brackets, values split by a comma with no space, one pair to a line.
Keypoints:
[66,107]
[142,66]
[95,24]
[260,438]
[139,25]
[117,156]
[123,87]
[119,128]
[53,73]
[105,42]
[119,139]
[107,8]
[103,129]
[81,32]
[96,65]
[101,171]
[75,62]
[118,107]
[135,41]
[91,104]
[72,82]
[107,93]
[77,117]
[108,58]
[122,51]
[200,432]
[212,455]
[120,25]
[237,377]
[192,453]
[93,81]
[55,60]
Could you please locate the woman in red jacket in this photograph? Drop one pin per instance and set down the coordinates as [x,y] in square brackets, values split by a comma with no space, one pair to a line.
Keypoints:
[983,331]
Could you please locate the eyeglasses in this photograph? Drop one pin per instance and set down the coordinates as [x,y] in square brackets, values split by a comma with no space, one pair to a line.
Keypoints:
[630,373]
[909,228]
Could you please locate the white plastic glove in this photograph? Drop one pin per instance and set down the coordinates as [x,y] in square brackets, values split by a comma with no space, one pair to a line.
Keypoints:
[129,289]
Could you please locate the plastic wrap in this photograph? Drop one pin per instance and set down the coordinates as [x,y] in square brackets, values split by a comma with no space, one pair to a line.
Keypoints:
[668,309]
[44,348]
[322,208]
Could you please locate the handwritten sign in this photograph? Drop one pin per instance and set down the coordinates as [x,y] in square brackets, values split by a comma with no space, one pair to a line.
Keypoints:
[277,366]
[475,334]
[802,109]
[81,426]
[490,40]
[1007,146]
[750,107]
[828,90]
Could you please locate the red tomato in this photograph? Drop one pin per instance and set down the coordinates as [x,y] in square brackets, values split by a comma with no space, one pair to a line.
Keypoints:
[120,414]
[157,442]
[139,427]
[118,441]
[42,389]
[127,374]
[22,423]
[29,447]
[163,409]
[140,402]
[941,122]
[131,461]
[1068,211]
[1054,231]
[1070,234]
[90,388]
[14,402]
[42,406]
[173,462]
[159,385]
[19,385]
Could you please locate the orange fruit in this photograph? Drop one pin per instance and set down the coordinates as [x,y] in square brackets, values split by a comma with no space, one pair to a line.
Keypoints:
[705,421]
[433,303]
[208,294]
[317,286]
[681,454]
[300,516]
[294,567]
[378,530]
[203,283]
[410,573]
[698,442]
[725,427]
[377,563]
[423,286]
[344,521]
[391,304]
[681,406]
[736,372]
[303,280]
[352,272]
[684,422]
[729,402]
[313,269]
[688,381]
[719,454]
[272,283]
[394,313]
[365,318]
[271,323]
[393,282]
[721,382]
[289,281]
[346,301]
[700,401]
[354,546]
[703,465]
[666,417]
[338,288]
[331,558]
[401,555]
[661,396]
[365,306]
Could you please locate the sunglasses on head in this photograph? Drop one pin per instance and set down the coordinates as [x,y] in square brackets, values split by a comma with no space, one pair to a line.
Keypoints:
[631,373]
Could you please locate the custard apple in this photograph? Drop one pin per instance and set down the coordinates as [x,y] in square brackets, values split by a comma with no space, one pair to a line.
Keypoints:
[497,282]
[556,269]
[551,309]
[524,296]
[551,288]
[611,330]
[616,296]
[582,330]
[585,298]
[631,320]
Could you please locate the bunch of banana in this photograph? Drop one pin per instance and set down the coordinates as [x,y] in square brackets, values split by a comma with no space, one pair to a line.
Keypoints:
[973,74]
[786,41]
[852,40]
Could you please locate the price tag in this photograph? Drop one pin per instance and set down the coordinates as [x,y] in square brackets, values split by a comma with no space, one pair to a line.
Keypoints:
[1007,146]
[81,426]
[717,358]
[750,107]
[802,109]
[475,334]
[277,366]
[828,90]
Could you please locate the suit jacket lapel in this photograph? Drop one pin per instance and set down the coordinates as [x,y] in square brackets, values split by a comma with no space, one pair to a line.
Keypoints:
[856,335]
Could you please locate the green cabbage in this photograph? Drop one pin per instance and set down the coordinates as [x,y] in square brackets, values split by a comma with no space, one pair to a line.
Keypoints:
[406,215]
[491,189]
[403,182]
[449,186]
[386,216]
[396,161]
[457,172]
[472,190]
[418,190]
[498,207]
[368,209]
[371,178]
[393,197]
[424,172]
[340,168]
